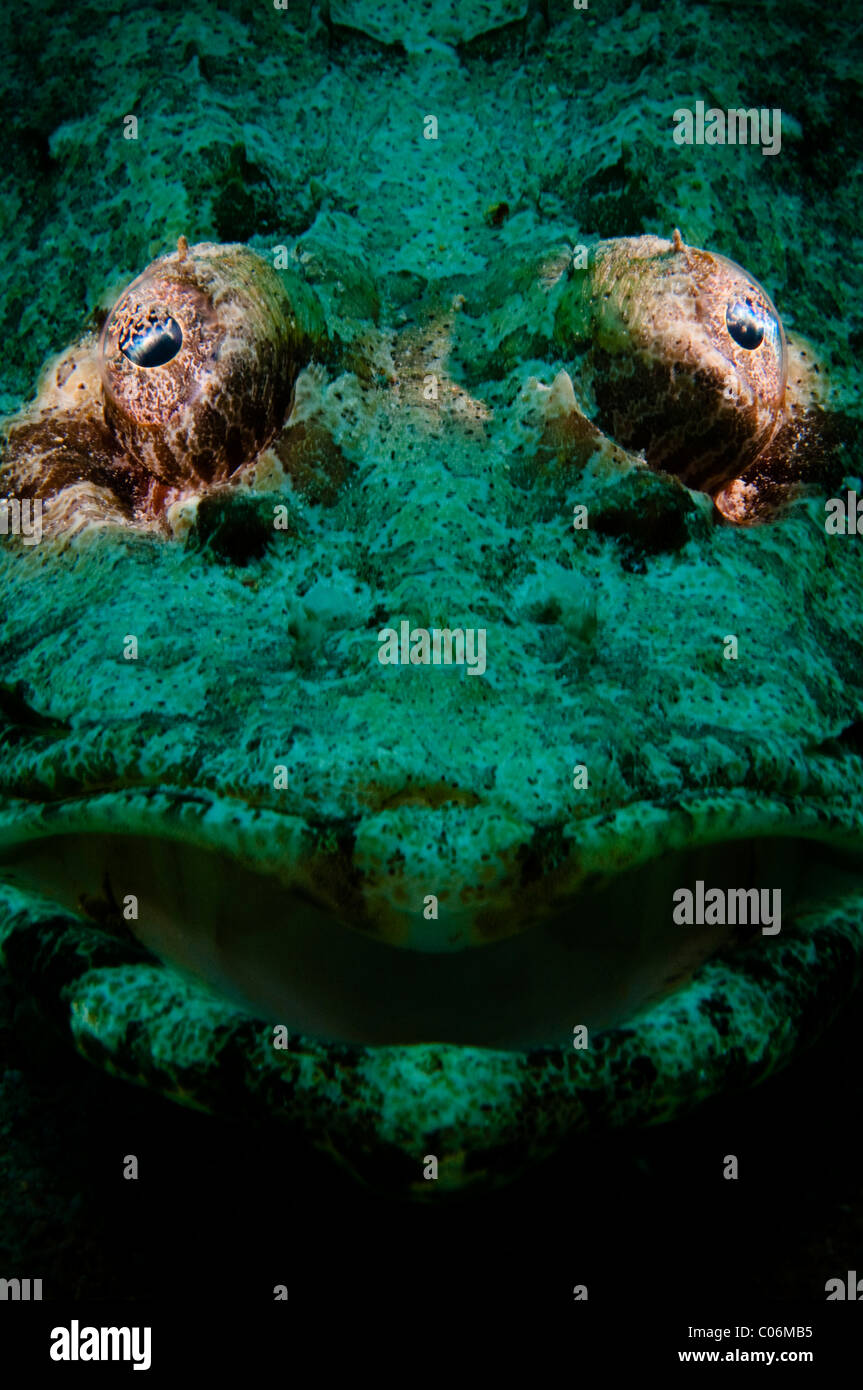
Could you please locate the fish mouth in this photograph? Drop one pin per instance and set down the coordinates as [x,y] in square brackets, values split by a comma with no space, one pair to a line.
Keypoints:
[235,987]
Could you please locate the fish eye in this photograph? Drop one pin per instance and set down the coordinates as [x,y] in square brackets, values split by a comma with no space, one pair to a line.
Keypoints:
[151,339]
[198,361]
[746,324]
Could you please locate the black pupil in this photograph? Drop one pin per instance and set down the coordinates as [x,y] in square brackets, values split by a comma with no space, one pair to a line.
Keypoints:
[152,339]
[745,324]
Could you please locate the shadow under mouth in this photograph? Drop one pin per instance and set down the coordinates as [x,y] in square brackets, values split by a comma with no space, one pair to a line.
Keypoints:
[607,954]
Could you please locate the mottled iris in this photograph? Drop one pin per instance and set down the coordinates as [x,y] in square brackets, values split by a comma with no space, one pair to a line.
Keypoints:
[745,323]
[152,339]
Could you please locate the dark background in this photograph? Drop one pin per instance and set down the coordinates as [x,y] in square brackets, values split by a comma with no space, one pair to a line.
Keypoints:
[219,1210]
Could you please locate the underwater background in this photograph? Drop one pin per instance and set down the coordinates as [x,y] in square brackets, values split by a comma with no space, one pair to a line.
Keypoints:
[257,125]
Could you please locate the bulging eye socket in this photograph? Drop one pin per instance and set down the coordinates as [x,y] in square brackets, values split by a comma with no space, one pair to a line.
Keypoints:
[730,288]
[749,323]
[150,338]
[156,346]
[198,360]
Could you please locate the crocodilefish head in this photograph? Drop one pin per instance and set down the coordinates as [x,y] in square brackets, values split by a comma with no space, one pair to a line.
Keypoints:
[367,727]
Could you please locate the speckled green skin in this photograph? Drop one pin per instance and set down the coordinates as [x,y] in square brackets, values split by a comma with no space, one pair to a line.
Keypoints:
[604,647]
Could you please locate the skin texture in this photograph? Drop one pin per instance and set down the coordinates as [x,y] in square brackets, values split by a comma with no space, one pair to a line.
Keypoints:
[158,777]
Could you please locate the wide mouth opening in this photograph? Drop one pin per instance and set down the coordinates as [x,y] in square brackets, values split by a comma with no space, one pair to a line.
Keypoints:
[607,953]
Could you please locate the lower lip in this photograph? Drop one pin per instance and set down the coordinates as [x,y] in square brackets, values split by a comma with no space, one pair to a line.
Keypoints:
[599,960]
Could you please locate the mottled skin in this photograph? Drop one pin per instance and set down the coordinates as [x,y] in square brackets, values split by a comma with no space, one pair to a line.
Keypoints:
[256,654]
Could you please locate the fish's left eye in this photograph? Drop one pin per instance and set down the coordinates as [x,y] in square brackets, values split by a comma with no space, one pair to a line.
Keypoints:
[198,359]
[746,323]
[151,339]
